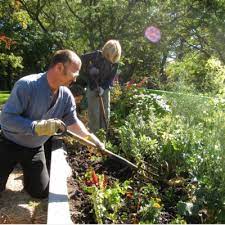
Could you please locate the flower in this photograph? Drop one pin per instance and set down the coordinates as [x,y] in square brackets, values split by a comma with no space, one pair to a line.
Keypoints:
[156,205]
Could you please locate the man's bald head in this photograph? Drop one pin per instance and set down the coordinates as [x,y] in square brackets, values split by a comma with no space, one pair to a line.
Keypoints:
[65,56]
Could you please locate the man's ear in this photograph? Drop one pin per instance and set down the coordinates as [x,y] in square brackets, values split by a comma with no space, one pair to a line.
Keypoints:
[59,67]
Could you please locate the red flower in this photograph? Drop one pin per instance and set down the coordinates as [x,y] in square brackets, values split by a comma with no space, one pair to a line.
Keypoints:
[129,83]
[140,84]
[94,178]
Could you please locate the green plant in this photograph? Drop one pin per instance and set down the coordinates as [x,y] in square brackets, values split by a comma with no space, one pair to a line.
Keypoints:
[4,95]
[107,201]
[186,132]
[178,220]
[197,73]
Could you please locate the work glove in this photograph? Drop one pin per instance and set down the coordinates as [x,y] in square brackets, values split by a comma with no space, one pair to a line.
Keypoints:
[93,71]
[47,127]
[100,91]
[96,141]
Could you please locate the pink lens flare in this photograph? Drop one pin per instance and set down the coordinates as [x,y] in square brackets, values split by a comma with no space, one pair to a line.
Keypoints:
[153,34]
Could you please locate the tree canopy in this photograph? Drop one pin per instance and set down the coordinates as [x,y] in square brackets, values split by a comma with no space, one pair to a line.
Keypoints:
[31,30]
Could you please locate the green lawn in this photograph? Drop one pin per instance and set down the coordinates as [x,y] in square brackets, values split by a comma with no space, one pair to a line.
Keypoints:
[4,96]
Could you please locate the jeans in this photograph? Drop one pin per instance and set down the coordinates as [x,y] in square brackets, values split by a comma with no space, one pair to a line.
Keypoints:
[33,163]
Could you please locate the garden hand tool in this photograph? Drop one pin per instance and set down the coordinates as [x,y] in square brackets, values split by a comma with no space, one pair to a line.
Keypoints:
[108,153]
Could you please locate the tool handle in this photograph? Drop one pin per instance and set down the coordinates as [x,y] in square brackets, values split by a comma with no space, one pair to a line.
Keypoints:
[105,151]
[63,130]
[121,159]
[80,139]
[102,108]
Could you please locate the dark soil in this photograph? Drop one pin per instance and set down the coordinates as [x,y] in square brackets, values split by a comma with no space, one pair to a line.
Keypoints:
[79,158]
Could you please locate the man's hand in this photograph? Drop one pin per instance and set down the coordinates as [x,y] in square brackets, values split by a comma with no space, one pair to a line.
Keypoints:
[100,91]
[96,141]
[47,127]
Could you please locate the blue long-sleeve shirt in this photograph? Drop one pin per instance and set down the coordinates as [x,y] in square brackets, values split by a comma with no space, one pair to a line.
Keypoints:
[32,99]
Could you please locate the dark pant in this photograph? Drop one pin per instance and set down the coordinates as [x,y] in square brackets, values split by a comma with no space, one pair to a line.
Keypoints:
[33,163]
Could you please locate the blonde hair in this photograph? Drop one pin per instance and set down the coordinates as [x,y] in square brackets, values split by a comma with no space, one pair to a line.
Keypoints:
[112,51]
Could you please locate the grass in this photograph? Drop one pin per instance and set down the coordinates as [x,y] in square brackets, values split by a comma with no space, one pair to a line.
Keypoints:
[4,96]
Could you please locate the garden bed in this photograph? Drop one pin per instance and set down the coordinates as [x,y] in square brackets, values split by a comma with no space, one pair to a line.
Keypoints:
[87,170]
[164,136]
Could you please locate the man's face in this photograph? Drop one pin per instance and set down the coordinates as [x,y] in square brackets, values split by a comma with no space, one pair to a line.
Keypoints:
[70,73]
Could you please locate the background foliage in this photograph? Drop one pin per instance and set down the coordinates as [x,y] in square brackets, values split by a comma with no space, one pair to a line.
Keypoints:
[190,29]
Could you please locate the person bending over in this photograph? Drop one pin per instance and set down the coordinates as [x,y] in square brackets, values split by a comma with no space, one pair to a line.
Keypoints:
[38,106]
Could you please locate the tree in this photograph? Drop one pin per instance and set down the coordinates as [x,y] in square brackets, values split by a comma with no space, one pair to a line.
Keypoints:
[41,26]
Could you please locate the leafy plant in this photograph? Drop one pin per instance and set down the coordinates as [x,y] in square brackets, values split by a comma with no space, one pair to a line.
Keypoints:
[107,201]
[188,138]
